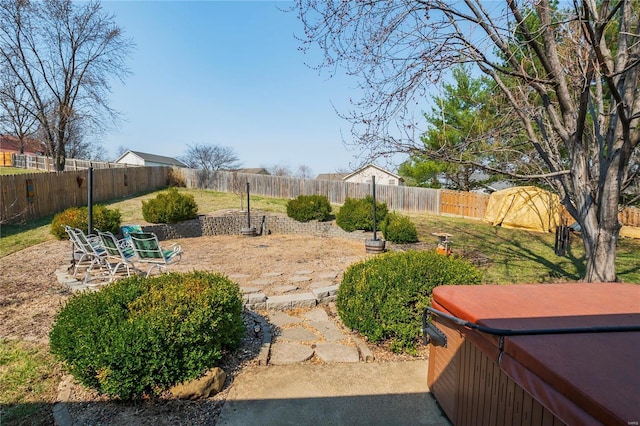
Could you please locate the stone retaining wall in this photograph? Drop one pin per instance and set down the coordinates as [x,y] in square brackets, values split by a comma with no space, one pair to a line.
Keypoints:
[232,223]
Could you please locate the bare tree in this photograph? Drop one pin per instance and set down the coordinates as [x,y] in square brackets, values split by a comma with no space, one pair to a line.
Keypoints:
[14,118]
[568,79]
[63,55]
[209,158]
[121,149]
[279,170]
[304,172]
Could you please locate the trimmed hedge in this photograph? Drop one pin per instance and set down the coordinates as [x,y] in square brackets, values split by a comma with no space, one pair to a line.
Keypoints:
[139,336]
[170,207]
[358,214]
[399,229]
[309,207]
[383,297]
[104,219]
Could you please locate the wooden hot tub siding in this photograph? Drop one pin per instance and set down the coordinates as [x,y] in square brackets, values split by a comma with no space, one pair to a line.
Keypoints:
[473,390]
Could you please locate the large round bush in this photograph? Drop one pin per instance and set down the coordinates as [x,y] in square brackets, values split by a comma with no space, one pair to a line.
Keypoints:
[104,219]
[170,207]
[383,297]
[309,207]
[358,214]
[139,336]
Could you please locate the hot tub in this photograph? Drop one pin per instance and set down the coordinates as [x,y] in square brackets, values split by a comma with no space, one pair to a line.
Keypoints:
[578,362]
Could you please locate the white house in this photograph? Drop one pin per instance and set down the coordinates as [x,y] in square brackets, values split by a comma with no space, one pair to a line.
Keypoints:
[137,158]
[383,177]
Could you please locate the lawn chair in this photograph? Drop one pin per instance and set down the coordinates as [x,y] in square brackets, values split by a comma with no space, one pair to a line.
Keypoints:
[78,254]
[148,249]
[127,230]
[92,249]
[119,251]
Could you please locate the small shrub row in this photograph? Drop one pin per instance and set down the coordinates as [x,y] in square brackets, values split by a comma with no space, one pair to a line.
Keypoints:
[309,207]
[357,214]
[139,336]
[104,219]
[383,297]
[170,207]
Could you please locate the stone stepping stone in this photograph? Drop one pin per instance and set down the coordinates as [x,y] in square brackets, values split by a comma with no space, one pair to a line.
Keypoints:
[297,334]
[328,275]
[289,353]
[300,279]
[304,272]
[285,288]
[334,352]
[280,319]
[291,301]
[246,290]
[262,282]
[272,274]
[323,292]
[329,330]
[321,284]
[254,298]
[317,314]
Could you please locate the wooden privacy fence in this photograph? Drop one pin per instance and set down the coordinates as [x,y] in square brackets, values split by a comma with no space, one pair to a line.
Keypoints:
[30,196]
[400,198]
[40,162]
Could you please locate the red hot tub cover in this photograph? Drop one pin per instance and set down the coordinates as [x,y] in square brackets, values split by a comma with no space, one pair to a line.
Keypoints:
[597,372]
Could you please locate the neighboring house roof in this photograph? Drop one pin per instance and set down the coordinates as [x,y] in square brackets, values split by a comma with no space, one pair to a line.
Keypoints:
[331,176]
[481,177]
[9,143]
[253,171]
[400,178]
[153,158]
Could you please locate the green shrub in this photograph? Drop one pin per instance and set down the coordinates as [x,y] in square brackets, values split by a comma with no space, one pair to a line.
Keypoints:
[170,207]
[358,214]
[139,336]
[383,297]
[104,219]
[399,229]
[309,207]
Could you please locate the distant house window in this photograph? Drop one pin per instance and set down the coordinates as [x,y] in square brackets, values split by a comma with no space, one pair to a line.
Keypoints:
[392,181]
[367,181]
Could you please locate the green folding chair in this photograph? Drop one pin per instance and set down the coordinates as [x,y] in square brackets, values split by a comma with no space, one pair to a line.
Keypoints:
[148,249]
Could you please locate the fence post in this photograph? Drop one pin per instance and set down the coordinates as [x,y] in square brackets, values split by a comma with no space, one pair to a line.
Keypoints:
[90,199]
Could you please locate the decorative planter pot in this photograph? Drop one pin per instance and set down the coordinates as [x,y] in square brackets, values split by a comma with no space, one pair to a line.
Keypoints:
[249,232]
[374,246]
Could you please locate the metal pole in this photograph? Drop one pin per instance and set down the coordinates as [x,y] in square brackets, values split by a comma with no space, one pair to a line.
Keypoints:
[248,208]
[373,182]
[90,199]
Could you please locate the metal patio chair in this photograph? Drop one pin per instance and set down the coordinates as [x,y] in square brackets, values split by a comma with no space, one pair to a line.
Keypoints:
[148,249]
[87,249]
[118,251]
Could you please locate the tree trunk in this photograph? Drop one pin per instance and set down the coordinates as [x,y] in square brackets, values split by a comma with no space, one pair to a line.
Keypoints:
[60,161]
[600,247]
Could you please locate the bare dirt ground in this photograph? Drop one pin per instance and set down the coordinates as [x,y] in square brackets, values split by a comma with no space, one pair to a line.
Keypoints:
[30,296]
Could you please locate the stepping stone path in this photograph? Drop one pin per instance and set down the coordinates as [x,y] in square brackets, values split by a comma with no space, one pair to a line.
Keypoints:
[312,333]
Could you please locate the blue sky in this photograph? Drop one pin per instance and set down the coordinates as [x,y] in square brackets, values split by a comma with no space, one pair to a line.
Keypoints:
[227,73]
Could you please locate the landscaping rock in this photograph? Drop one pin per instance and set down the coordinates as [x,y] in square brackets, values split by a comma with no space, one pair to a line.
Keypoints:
[210,384]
